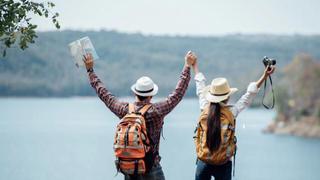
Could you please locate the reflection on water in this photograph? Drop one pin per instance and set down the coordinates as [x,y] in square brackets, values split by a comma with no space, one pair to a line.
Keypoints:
[51,139]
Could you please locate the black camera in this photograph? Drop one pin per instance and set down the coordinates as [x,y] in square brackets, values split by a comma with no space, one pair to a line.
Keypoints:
[268,62]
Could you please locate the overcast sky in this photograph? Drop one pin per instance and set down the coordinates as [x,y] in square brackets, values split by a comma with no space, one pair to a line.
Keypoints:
[189,17]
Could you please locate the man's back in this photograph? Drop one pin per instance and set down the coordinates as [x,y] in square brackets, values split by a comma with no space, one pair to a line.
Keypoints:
[154,116]
[156,113]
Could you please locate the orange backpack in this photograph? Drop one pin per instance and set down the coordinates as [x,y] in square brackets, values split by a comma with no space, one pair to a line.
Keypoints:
[228,139]
[131,142]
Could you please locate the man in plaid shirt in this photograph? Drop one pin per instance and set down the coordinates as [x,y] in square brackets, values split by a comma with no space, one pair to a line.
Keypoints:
[144,90]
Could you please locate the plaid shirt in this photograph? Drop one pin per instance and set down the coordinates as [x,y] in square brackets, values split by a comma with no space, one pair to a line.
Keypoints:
[154,116]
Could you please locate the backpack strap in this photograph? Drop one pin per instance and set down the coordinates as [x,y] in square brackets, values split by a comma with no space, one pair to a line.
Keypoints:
[131,108]
[235,151]
[144,109]
[136,168]
[234,163]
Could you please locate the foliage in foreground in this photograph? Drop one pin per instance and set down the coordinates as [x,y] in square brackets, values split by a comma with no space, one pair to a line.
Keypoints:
[16,25]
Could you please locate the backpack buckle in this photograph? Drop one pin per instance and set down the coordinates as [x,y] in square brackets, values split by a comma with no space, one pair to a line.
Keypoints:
[231,127]
[235,140]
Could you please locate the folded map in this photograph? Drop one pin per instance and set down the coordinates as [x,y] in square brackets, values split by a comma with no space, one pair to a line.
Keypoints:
[81,47]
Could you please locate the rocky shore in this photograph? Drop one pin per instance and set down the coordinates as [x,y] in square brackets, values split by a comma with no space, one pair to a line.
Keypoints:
[305,127]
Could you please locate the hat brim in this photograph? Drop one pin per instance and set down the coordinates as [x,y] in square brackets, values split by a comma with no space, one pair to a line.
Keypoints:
[216,99]
[152,93]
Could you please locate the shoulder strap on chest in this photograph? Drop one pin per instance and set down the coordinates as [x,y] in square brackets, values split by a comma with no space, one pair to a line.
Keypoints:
[131,108]
[144,109]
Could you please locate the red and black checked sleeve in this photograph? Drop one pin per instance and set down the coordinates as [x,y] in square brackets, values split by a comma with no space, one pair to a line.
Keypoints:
[119,108]
[166,106]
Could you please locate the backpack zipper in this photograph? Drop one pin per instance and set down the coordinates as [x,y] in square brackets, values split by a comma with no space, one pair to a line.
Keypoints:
[126,137]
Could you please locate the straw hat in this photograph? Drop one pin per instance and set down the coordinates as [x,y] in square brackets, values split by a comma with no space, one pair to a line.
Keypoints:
[145,87]
[219,90]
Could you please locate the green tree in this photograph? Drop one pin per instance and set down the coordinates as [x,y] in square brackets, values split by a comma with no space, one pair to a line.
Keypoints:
[15,21]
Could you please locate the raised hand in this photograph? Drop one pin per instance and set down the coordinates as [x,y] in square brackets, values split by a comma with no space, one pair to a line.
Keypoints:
[88,61]
[269,70]
[190,59]
[195,66]
[266,73]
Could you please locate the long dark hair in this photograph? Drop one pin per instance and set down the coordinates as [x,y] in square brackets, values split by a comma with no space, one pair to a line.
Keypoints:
[214,127]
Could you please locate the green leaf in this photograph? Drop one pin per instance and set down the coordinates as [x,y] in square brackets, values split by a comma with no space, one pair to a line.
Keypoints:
[39,12]
[46,13]
[57,25]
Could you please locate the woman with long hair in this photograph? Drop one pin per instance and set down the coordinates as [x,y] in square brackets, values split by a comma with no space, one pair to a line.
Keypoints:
[215,134]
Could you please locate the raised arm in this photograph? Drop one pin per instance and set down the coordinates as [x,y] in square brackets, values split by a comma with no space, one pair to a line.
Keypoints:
[166,106]
[200,85]
[120,109]
[252,90]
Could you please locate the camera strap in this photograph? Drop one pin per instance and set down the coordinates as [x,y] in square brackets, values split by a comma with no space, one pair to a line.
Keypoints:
[264,94]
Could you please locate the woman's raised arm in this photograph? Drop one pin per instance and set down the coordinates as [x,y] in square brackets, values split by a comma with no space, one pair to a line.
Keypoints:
[200,85]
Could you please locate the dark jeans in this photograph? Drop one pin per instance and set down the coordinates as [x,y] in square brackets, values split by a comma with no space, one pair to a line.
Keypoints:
[155,173]
[219,172]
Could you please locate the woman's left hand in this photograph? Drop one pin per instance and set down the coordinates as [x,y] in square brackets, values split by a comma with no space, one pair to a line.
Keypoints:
[267,72]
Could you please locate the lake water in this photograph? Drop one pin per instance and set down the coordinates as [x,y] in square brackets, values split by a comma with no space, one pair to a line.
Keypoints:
[71,138]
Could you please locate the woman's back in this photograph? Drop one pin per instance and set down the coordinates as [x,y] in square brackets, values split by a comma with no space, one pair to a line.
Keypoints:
[227,144]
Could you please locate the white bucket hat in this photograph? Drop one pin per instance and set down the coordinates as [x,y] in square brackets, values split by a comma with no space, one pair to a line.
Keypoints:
[145,87]
[219,90]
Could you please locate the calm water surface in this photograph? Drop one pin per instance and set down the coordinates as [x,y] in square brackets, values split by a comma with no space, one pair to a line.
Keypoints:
[71,138]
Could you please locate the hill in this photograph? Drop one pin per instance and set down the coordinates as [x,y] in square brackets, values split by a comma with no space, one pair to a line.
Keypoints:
[46,68]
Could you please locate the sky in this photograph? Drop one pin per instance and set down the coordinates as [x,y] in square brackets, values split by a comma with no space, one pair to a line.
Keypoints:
[188,17]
